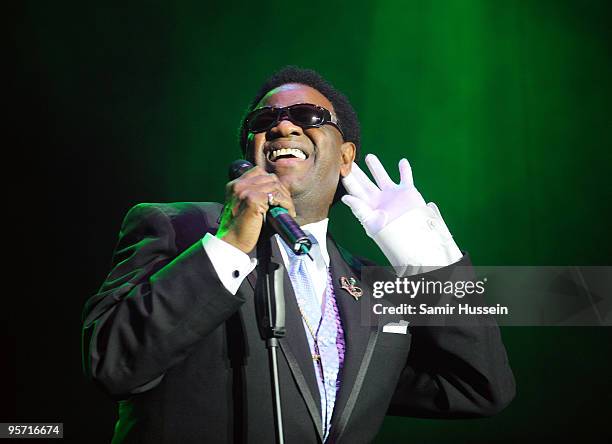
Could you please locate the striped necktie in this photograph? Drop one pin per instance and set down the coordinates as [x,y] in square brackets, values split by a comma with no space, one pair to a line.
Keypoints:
[323,330]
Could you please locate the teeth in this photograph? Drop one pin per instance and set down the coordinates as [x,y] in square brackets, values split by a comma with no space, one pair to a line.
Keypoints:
[272,155]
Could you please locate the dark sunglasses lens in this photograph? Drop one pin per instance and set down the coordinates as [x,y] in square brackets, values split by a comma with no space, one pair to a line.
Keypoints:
[306,115]
[262,120]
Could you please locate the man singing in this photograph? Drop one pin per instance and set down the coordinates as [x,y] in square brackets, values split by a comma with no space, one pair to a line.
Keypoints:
[172,333]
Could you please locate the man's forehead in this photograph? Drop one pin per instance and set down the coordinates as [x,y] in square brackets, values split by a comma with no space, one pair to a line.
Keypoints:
[292,93]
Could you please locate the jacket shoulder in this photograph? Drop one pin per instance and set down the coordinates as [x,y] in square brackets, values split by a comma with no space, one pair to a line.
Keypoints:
[177,210]
[190,221]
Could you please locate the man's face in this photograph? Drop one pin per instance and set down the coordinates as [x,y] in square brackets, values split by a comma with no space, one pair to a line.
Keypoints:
[327,157]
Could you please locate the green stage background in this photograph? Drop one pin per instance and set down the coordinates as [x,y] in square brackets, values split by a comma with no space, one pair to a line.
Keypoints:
[502,108]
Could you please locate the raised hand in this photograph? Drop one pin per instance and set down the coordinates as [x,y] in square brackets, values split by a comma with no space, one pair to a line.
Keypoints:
[247,200]
[376,205]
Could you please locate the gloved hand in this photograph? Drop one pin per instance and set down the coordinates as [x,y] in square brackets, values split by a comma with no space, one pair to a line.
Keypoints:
[411,234]
[376,206]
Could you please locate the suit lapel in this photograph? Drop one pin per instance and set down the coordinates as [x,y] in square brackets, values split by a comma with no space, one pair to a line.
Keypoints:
[295,345]
[359,338]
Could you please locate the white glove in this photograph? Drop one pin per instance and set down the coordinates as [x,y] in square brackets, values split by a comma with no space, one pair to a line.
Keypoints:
[411,234]
[376,206]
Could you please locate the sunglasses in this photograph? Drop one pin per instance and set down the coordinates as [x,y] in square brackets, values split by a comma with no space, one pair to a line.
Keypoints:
[304,115]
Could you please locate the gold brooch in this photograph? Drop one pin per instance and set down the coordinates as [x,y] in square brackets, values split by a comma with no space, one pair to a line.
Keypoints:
[348,284]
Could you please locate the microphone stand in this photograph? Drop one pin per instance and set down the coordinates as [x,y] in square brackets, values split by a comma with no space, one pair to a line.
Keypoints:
[270,311]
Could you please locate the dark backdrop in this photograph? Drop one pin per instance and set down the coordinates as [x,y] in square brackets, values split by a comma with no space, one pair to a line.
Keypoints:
[503,109]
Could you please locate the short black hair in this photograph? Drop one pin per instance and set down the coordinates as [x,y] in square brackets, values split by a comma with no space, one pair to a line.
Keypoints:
[347,117]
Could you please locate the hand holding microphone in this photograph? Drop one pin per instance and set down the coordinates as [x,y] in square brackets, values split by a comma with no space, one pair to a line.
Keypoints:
[252,194]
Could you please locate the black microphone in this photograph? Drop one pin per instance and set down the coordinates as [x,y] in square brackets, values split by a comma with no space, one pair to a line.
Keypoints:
[238,167]
[277,217]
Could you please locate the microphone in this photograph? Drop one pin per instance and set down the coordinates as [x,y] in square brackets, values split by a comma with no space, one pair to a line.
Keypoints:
[238,167]
[278,217]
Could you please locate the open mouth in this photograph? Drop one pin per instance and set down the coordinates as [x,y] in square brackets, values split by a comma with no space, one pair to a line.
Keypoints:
[286,153]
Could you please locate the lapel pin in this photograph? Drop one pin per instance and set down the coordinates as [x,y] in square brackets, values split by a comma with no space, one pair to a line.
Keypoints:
[348,284]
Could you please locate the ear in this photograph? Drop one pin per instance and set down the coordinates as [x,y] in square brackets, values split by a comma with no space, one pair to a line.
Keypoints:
[347,153]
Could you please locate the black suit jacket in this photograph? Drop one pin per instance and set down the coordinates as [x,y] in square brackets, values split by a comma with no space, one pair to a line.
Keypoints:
[184,359]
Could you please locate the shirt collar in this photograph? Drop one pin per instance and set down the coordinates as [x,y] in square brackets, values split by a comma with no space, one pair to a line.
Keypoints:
[319,231]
